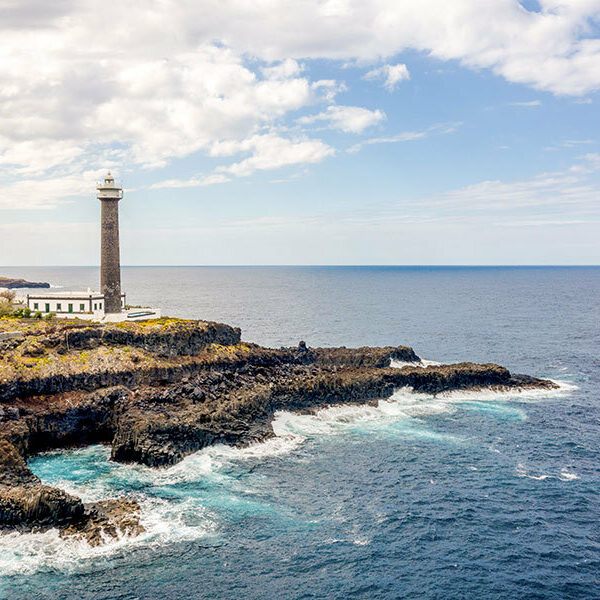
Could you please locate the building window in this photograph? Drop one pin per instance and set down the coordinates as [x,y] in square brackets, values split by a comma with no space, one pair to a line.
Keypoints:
[95,306]
[35,306]
[82,307]
[100,306]
[58,306]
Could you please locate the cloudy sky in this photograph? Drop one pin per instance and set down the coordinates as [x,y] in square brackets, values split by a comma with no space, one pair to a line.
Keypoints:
[302,131]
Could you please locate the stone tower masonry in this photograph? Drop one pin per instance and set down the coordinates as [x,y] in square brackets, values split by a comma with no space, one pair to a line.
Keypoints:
[110,269]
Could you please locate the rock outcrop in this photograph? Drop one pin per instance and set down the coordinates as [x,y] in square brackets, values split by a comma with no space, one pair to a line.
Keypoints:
[10,283]
[161,390]
[24,501]
[106,520]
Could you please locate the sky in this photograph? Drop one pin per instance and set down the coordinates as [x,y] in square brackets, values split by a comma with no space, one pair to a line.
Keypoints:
[250,132]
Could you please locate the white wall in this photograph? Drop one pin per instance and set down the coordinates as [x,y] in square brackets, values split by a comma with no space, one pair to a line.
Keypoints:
[53,305]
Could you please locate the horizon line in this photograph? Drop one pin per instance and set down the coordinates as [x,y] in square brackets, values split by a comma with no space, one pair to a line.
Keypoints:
[406,266]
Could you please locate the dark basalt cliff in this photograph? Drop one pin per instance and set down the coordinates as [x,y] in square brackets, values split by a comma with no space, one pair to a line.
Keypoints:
[10,283]
[161,390]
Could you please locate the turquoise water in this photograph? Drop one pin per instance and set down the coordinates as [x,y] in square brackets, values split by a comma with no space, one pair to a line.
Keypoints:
[468,495]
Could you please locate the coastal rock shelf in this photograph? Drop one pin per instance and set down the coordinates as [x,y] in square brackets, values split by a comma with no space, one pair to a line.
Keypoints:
[160,390]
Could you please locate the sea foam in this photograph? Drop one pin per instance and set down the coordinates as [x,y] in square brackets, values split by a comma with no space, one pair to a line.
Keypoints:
[563,475]
[26,553]
[398,364]
[564,388]
[404,407]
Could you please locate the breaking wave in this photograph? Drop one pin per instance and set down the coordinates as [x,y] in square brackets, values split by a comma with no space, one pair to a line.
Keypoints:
[211,461]
[26,553]
[563,475]
[403,406]
[410,407]
[398,364]
[564,388]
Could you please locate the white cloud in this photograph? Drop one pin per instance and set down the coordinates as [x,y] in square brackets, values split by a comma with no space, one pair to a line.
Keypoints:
[590,163]
[271,151]
[571,143]
[328,88]
[283,70]
[203,181]
[37,194]
[530,103]
[559,196]
[543,190]
[549,49]
[408,136]
[88,83]
[391,75]
[171,108]
[350,119]
[29,157]
[66,102]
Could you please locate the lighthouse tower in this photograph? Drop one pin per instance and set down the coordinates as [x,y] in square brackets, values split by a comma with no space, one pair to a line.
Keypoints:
[109,195]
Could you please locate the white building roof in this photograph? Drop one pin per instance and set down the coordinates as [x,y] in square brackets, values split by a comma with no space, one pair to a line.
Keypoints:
[67,294]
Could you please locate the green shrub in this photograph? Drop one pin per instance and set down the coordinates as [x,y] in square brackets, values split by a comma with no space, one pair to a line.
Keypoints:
[37,315]
[22,313]
[6,308]
[50,316]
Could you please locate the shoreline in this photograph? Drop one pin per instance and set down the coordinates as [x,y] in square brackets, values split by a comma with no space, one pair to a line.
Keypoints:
[160,391]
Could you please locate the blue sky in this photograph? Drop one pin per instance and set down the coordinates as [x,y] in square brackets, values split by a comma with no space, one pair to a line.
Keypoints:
[325,132]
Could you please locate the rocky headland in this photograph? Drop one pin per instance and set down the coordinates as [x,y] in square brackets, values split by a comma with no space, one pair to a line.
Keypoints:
[11,283]
[159,390]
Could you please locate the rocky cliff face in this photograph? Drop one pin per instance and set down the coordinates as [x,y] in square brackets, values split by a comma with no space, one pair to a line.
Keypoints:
[360,357]
[160,391]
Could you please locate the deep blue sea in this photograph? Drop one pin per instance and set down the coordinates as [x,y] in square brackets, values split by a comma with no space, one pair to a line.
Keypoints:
[464,496]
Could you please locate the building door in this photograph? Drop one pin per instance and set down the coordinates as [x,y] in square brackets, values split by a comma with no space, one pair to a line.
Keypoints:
[47,308]
[70,308]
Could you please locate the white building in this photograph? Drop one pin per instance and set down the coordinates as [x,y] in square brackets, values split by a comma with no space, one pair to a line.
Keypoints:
[86,305]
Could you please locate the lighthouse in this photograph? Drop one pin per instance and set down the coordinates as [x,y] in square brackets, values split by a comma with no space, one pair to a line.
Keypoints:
[109,195]
[108,305]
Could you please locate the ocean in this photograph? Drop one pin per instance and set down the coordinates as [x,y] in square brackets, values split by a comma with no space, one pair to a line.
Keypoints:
[472,495]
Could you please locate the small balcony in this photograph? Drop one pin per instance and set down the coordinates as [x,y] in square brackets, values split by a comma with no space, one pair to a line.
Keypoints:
[109,192]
